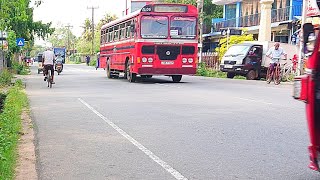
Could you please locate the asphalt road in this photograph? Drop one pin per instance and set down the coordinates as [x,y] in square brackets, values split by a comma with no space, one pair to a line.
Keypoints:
[91,127]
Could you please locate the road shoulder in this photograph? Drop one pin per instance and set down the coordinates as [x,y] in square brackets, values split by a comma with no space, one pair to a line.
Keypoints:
[26,162]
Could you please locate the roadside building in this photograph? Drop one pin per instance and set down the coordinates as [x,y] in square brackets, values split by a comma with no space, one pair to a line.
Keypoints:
[239,14]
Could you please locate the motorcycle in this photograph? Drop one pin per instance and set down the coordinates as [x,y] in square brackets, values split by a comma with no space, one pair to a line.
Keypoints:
[59,67]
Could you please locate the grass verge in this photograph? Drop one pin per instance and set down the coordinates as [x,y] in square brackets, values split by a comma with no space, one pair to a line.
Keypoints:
[5,78]
[10,128]
[207,72]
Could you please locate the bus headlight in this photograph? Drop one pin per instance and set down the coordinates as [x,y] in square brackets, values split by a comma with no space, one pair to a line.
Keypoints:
[184,60]
[144,59]
[150,60]
[190,60]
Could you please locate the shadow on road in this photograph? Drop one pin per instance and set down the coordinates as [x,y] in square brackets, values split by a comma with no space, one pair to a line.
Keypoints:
[154,80]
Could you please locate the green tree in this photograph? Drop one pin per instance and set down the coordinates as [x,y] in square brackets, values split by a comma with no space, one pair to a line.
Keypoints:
[60,37]
[234,39]
[210,11]
[84,42]
[17,16]
[36,50]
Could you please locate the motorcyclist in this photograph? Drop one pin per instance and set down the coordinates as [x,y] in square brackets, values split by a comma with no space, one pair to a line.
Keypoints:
[59,60]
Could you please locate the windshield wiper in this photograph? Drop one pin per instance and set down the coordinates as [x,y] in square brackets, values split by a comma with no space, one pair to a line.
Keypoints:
[160,22]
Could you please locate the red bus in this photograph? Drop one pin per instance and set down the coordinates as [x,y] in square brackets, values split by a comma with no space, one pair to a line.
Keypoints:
[307,87]
[159,39]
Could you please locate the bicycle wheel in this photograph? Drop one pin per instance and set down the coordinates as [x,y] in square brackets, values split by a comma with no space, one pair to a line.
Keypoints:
[277,75]
[49,79]
[286,74]
[268,77]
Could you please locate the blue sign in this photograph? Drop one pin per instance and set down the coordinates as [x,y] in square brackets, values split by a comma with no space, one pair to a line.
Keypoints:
[20,42]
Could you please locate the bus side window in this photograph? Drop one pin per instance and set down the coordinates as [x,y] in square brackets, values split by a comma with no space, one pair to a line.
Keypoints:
[111,34]
[123,30]
[106,36]
[133,34]
[128,27]
[101,37]
[116,33]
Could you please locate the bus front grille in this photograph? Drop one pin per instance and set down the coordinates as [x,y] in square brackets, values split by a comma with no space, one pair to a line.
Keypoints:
[168,52]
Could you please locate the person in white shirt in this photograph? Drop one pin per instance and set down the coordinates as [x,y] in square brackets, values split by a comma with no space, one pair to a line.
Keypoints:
[48,62]
[275,54]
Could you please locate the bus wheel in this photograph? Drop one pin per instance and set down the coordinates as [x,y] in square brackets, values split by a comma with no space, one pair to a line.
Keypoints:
[109,74]
[176,78]
[251,75]
[131,77]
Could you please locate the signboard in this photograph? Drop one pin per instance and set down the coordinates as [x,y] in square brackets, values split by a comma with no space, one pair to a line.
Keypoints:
[231,32]
[165,8]
[20,42]
[3,35]
[171,8]
[4,45]
[312,8]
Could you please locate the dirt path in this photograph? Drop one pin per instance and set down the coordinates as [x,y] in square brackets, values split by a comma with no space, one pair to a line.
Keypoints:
[26,163]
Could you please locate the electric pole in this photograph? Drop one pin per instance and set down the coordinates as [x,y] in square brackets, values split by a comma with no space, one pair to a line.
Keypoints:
[68,35]
[200,11]
[92,9]
[126,12]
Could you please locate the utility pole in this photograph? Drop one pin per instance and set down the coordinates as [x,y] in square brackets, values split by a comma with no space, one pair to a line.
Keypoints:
[126,12]
[68,35]
[200,11]
[92,9]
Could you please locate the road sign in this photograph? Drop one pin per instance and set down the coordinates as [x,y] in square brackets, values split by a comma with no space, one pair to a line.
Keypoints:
[20,42]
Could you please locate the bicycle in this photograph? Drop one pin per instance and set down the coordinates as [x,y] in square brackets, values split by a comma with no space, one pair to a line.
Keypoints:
[49,78]
[288,71]
[276,76]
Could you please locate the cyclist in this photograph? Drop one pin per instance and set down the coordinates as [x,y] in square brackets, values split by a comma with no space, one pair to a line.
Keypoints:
[48,62]
[275,54]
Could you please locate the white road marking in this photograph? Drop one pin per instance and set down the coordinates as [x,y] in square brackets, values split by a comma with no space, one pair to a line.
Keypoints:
[252,100]
[151,155]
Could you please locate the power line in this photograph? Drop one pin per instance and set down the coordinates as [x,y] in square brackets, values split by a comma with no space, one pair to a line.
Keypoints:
[92,9]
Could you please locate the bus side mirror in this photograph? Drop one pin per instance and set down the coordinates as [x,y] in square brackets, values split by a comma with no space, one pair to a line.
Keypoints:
[309,38]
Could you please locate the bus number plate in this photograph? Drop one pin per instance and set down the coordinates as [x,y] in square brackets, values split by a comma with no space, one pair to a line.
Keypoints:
[167,62]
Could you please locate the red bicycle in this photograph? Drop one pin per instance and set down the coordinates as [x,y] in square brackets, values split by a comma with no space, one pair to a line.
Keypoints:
[277,75]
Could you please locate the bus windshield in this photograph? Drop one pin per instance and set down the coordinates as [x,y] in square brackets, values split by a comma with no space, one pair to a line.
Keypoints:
[154,27]
[183,27]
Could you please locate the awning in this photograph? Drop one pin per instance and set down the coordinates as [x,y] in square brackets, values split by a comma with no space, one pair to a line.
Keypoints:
[211,34]
[252,28]
[273,25]
[298,17]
